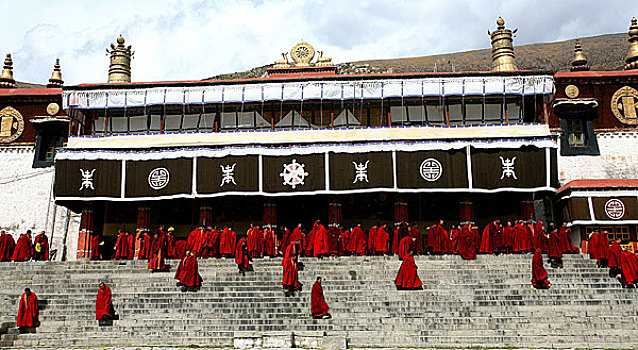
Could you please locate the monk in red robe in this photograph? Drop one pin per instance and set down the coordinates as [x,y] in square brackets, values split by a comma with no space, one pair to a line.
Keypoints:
[539,274]
[252,236]
[321,245]
[406,244]
[372,235]
[566,245]
[41,247]
[508,237]
[395,240]
[334,240]
[180,249]
[381,240]
[269,241]
[454,239]
[187,273]
[356,242]
[602,251]
[28,311]
[207,245]
[295,236]
[290,281]
[318,307]
[227,243]
[104,309]
[440,245]
[555,251]
[310,241]
[615,253]
[629,269]
[122,246]
[7,245]
[416,234]
[345,238]
[467,243]
[158,251]
[24,248]
[430,239]
[407,277]
[242,258]
[195,240]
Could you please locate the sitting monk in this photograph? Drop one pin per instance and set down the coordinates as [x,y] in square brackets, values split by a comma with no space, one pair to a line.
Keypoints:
[104,309]
[28,311]
[189,276]
[242,258]
[539,274]
[408,278]
[318,306]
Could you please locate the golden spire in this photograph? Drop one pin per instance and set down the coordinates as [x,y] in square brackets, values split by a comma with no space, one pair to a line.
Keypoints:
[580,61]
[56,77]
[6,79]
[503,58]
[632,55]
[120,67]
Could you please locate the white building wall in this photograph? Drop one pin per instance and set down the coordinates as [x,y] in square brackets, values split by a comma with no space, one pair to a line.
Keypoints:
[26,201]
[618,159]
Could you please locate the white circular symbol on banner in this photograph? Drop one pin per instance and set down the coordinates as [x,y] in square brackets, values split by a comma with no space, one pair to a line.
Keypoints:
[615,209]
[431,169]
[158,178]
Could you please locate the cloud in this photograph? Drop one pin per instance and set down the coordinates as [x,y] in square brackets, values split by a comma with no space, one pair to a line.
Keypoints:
[190,40]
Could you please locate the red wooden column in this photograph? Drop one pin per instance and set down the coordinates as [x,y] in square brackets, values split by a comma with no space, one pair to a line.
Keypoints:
[335,214]
[466,211]
[527,210]
[86,230]
[270,215]
[400,212]
[143,224]
[205,215]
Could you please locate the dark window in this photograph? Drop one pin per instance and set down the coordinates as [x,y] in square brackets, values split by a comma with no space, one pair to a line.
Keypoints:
[578,137]
[51,137]
[574,132]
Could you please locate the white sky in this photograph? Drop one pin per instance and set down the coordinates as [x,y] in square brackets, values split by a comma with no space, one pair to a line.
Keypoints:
[191,40]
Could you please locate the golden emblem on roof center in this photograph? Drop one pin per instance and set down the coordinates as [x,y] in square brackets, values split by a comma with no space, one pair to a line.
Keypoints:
[624,105]
[302,53]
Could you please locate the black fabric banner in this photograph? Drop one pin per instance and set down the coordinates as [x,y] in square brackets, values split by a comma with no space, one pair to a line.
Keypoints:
[227,174]
[432,169]
[497,168]
[350,171]
[153,178]
[299,173]
[88,178]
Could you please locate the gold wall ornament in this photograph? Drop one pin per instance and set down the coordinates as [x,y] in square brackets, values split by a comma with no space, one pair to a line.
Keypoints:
[624,105]
[53,108]
[302,53]
[572,91]
[11,124]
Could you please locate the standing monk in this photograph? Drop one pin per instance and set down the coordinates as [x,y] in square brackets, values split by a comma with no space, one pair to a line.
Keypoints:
[188,273]
[122,246]
[381,240]
[629,269]
[23,248]
[405,245]
[356,242]
[555,252]
[104,309]
[310,241]
[416,234]
[242,258]
[372,235]
[467,243]
[408,278]
[564,235]
[7,245]
[227,243]
[334,240]
[41,247]
[290,281]
[28,311]
[269,241]
[539,274]
[615,253]
[158,251]
[602,252]
[321,246]
[318,306]
[195,240]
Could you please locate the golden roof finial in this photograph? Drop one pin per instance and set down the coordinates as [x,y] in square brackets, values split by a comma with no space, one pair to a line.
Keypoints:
[632,55]
[120,67]
[580,61]
[56,77]
[503,58]
[6,79]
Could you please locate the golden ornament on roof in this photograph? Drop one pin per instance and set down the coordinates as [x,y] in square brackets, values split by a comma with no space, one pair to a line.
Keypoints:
[302,53]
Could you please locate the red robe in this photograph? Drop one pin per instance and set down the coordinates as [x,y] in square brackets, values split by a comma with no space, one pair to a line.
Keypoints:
[28,311]
[439,244]
[242,259]
[290,278]
[454,236]
[207,245]
[372,235]
[565,241]
[269,242]
[408,278]
[429,241]
[334,241]
[508,238]
[522,239]
[158,253]
[190,275]
[615,254]
[555,250]
[179,273]
[345,238]
[318,306]
[122,247]
[170,245]
[296,235]
[227,242]
[485,241]
[629,267]
[104,304]
[602,247]
[356,242]
[195,241]
[404,246]
[467,244]
[414,232]
[395,241]
[43,240]
[253,235]
[381,240]
[321,246]
[23,249]
[7,245]
[180,249]
[539,274]
[310,242]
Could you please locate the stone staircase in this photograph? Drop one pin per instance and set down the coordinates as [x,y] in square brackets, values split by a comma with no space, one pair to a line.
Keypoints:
[482,303]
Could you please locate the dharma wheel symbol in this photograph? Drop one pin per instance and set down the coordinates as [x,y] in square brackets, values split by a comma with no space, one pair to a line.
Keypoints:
[615,209]
[294,174]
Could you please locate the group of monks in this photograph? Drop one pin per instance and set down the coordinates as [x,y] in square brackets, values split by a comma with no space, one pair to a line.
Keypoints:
[622,264]
[25,248]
